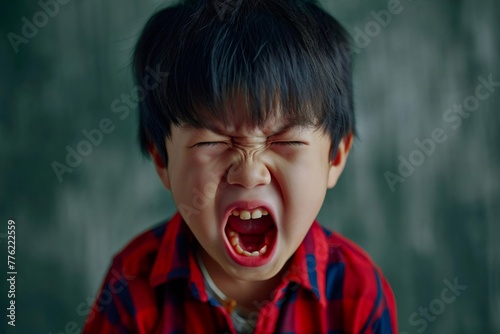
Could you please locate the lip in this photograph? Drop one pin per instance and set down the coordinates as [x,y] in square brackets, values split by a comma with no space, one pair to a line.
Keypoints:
[249,261]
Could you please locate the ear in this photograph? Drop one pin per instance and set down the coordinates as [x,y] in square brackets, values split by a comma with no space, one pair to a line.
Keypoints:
[337,164]
[160,166]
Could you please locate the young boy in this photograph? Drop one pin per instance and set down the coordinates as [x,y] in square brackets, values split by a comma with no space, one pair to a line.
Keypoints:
[250,125]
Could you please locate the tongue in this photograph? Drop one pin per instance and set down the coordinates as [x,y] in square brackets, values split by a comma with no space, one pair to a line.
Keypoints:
[252,242]
[252,226]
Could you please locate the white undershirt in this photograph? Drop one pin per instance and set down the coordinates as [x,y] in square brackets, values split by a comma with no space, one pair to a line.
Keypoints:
[241,324]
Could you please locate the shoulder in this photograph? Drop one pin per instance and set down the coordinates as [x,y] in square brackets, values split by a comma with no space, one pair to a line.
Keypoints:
[353,278]
[138,256]
[344,251]
[360,275]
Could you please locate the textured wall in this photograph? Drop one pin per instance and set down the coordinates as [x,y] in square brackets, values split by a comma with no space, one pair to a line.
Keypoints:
[431,224]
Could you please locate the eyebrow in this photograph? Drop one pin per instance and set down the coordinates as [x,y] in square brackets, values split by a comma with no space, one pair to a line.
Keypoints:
[221,131]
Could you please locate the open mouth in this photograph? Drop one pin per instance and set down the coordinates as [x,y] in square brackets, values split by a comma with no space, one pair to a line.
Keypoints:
[251,235]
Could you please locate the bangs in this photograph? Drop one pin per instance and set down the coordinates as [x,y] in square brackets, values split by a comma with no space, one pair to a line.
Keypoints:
[266,59]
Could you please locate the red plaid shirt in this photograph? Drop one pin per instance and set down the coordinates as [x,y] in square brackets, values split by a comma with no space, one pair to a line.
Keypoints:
[155,286]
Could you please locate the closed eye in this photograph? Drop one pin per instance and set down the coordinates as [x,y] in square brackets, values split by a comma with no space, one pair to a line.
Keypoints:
[289,143]
[208,143]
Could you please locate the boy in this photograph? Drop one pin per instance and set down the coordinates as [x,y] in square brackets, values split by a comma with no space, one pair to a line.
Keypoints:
[251,126]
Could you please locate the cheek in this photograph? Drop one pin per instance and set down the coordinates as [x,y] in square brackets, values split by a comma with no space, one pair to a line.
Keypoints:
[195,180]
[188,169]
[302,177]
[303,185]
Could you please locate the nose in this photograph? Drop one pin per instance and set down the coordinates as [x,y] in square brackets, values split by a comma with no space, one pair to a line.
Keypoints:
[248,173]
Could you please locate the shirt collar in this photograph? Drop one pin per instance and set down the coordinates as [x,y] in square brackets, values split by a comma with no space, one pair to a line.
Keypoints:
[176,260]
[308,265]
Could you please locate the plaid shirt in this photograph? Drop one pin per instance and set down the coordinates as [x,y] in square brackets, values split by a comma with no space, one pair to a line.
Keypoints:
[155,286]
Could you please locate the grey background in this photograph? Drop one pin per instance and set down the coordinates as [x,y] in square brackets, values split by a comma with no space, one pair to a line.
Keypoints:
[440,224]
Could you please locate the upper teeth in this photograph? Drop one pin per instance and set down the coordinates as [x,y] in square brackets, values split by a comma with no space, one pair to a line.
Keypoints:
[253,214]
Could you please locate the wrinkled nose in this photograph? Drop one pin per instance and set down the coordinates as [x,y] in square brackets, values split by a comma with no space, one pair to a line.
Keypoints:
[248,173]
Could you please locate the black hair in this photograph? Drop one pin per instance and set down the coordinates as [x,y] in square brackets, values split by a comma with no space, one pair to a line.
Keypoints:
[277,54]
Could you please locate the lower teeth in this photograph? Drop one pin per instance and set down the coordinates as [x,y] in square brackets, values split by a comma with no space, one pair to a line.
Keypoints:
[236,245]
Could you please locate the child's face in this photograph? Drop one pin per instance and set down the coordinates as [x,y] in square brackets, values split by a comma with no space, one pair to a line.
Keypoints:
[220,177]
